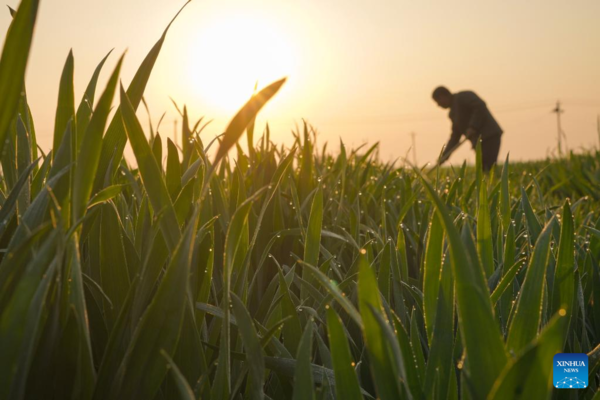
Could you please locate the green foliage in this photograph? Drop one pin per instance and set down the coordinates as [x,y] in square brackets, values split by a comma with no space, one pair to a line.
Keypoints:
[13,63]
[347,386]
[285,273]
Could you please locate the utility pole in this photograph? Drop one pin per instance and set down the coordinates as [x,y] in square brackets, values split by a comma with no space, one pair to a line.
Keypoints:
[414,147]
[558,110]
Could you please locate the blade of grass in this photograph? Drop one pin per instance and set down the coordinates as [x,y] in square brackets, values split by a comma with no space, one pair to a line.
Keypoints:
[115,139]
[381,366]
[253,348]
[505,196]
[480,336]
[412,374]
[440,361]
[143,367]
[533,225]
[564,282]
[89,152]
[530,375]
[105,195]
[65,110]
[336,293]
[312,241]
[77,300]
[245,116]
[432,272]
[85,108]
[9,204]
[185,391]
[395,355]
[506,281]
[13,63]
[485,247]
[173,170]
[114,277]
[221,388]
[528,312]
[150,173]
[303,379]
[22,317]
[347,386]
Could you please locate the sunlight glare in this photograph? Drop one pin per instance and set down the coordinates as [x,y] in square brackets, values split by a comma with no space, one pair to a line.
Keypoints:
[228,57]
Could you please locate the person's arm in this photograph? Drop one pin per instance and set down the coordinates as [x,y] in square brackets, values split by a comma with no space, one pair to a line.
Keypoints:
[452,142]
[477,106]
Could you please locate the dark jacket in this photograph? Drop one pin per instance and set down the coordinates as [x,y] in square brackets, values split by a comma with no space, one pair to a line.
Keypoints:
[469,111]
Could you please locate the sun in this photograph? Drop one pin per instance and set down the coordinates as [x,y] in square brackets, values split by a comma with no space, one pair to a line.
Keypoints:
[229,56]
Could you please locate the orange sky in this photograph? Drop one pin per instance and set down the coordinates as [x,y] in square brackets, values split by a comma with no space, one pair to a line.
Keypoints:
[362,71]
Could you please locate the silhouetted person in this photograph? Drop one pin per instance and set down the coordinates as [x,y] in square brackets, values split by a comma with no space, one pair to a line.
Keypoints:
[470,117]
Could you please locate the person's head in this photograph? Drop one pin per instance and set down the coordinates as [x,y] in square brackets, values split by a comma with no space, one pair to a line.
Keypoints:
[442,96]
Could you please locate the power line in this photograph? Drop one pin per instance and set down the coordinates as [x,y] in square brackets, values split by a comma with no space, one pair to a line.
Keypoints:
[597,105]
[415,117]
[501,110]
[527,122]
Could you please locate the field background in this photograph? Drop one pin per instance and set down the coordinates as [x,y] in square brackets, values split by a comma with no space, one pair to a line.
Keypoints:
[362,73]
[287,272]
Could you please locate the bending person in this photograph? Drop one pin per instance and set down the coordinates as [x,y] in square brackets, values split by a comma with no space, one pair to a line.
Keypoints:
[470,117]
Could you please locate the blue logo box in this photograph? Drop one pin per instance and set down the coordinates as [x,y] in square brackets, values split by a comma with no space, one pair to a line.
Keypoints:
[570,371]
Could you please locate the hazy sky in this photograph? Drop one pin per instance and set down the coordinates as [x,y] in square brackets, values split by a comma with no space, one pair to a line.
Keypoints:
[362,71]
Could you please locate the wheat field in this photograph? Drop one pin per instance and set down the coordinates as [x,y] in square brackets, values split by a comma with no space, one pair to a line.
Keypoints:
[280,273]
